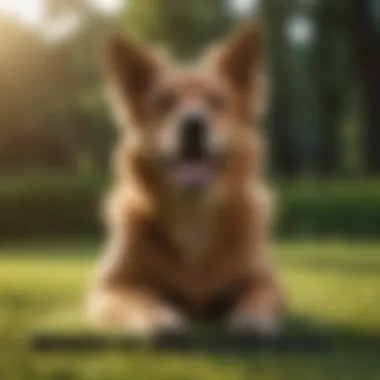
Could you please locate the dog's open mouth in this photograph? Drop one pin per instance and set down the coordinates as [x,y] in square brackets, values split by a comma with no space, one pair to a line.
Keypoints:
[196,173]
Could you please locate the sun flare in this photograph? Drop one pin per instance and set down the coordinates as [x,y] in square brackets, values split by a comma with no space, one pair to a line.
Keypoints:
[31,11]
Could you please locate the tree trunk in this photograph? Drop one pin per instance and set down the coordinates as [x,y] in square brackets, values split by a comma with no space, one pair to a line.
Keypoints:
[367,58]
[283,155]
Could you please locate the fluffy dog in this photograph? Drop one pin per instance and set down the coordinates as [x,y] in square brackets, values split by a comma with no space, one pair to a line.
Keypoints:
[188,215]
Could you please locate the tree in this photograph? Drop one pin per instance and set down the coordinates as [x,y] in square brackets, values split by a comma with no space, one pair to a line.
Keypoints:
[311,74]
[334,78]
[28,87]
[185,26]
[276,15]
[366,40]
[51,114]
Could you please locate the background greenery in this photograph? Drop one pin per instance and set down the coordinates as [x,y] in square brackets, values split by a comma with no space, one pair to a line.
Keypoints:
[38,205]
[321,123]
[322,57]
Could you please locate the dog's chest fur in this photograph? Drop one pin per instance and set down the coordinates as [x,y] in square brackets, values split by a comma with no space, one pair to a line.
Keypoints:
[190,229]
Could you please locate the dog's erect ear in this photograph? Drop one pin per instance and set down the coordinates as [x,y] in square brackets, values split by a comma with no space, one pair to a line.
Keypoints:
[132,67]
[238,60]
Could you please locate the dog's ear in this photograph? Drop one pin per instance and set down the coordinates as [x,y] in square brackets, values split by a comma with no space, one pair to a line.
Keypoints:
[132,67]
[238,60]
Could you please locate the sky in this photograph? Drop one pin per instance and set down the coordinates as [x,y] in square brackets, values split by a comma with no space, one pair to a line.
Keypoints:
[30,11]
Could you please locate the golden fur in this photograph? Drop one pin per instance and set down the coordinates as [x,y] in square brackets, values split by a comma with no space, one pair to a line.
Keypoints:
[174,255]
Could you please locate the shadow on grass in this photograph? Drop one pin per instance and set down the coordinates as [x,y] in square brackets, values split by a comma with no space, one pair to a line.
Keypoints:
[299,335]
[303,350]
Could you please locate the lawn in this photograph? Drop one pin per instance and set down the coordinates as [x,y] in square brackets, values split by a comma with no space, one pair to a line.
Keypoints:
[333,286]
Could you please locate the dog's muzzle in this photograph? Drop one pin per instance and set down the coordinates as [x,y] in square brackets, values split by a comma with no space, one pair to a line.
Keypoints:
[193,138]
[194,167]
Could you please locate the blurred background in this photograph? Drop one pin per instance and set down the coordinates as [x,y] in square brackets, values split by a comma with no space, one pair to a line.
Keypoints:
[322,125]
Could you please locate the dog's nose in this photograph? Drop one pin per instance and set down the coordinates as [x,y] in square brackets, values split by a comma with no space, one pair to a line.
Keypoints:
[193,137]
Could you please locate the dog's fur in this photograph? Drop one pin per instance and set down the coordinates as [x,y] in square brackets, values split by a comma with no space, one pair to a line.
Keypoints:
[175,254]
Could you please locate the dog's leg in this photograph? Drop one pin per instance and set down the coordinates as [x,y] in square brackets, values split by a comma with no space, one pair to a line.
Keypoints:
[134,310]
[259,307]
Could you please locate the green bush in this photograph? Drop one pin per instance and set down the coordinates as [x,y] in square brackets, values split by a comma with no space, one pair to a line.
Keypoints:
[50,206]
[41,206]
[348,209]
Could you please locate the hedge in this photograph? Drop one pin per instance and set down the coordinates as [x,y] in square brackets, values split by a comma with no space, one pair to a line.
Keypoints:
[346,209]
[51,206]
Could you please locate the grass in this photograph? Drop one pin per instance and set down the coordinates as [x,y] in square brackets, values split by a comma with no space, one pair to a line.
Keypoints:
[332,285]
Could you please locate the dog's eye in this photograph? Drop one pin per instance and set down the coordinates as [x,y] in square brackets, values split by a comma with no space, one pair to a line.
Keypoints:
[164,102]
[217,101]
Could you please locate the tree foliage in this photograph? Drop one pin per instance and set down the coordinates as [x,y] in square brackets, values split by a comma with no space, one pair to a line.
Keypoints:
[184,26]
[53,113]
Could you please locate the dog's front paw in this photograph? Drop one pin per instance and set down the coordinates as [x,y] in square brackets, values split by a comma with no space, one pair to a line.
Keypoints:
[255,324]
[256,331]
[151,323]
[171,320]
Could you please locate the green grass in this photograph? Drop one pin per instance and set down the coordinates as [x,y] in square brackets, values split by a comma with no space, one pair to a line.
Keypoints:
[331,285]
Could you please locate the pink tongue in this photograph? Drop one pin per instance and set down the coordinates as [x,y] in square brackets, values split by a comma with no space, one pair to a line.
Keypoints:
[193,173]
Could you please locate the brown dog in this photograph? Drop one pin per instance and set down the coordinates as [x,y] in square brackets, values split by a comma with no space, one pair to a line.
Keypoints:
[189,215]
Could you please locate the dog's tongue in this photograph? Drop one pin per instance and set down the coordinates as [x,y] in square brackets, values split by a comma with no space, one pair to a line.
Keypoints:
[194,173]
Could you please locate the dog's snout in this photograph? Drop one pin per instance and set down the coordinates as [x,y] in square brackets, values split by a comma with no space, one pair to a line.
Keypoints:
[193,136]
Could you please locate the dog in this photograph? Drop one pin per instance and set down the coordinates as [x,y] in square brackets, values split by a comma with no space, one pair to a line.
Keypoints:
[188,215]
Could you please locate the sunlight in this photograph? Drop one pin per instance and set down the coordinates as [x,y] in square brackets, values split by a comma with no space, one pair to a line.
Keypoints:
[31,11]
[244,7]
[108,6]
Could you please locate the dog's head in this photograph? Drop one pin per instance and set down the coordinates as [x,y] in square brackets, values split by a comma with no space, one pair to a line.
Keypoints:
[188,120]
